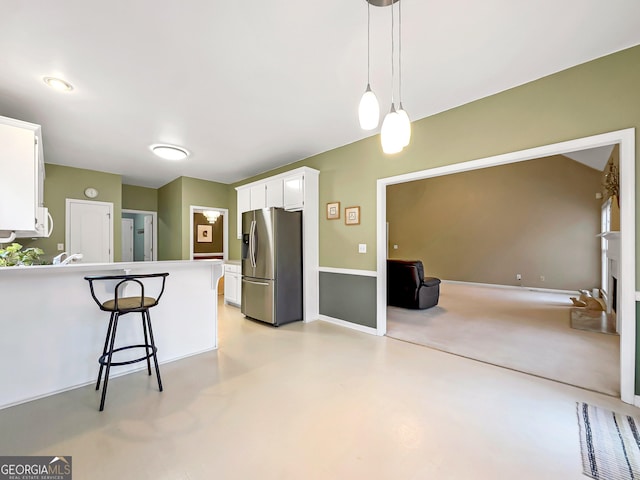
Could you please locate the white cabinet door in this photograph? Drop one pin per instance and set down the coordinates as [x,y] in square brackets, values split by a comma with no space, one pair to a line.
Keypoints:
[18,188]
[230,287]
[275,194]
[294,192]
[258,197]
[244,205]
[232,284]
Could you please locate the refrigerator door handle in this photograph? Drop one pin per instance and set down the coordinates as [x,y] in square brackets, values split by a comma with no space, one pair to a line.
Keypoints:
[252,243]
[256,283]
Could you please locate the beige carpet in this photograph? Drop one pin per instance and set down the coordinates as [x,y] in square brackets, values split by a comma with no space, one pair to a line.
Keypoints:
[514,328]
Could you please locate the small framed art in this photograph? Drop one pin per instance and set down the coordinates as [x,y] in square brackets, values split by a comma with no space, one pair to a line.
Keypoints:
[333,211]
[205,234]
[352,216]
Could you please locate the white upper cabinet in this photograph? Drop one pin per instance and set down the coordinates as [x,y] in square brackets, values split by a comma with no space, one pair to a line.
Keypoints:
[274,193]
[258,197]
[21,187]
[286,190]
[294,192]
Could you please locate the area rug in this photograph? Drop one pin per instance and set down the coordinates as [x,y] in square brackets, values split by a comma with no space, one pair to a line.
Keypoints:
[610,443]
[593,321]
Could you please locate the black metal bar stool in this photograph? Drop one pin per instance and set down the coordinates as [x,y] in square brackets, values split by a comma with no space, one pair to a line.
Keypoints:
[119,306]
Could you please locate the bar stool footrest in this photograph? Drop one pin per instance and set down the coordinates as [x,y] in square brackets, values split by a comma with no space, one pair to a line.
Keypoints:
[103,359]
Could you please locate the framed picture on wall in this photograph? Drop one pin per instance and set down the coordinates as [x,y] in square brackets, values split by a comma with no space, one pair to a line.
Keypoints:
[352,216]
[205,234]
[333,210]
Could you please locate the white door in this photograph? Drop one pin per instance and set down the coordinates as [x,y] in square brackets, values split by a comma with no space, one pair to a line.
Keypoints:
[148,238]
[127,239]
[89,230]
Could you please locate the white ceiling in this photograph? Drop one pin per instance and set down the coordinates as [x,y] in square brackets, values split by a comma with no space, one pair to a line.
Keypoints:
[595,158]
[248,86]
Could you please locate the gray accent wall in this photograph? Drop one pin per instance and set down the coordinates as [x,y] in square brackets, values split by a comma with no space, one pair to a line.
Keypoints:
[348,297]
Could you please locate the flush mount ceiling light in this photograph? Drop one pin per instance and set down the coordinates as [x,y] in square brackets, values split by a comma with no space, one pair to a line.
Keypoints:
[169,152]
[58,84]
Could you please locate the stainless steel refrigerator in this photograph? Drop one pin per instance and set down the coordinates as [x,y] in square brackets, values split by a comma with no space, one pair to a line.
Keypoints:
[272,265]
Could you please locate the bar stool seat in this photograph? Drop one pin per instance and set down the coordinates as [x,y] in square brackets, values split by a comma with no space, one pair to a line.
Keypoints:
[130,304]
[119,306]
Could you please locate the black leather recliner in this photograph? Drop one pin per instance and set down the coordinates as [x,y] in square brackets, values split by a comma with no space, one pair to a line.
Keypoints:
[408,288]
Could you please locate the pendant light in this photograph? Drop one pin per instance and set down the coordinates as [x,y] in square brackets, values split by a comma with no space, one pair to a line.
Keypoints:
[405,123]
[369,109]
[390,134]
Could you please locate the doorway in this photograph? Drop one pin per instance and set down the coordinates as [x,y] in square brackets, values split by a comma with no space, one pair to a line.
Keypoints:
[626,309]
[209,233]
[89,230]
[144,235]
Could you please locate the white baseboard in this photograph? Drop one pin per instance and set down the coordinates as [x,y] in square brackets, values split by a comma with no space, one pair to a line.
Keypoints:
[352,326]
[514,287]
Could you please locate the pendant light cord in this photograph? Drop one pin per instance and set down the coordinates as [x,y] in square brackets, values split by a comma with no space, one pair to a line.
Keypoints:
[400,51]
[368,42]
[392,49]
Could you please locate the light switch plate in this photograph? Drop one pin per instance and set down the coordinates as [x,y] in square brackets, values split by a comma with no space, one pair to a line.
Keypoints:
[61,247]
[362,248]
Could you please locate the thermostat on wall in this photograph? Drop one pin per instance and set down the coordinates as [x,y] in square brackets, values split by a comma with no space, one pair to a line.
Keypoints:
[90,192]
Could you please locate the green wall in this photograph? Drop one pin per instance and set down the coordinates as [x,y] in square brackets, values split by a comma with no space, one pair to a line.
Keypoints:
[348,297]
[139,198]
[170,221]
[68,182]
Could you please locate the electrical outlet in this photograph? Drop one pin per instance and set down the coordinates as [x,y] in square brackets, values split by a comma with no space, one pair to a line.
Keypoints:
[518,276]
[61,247]
[362,248]
[542,278]
[395,247]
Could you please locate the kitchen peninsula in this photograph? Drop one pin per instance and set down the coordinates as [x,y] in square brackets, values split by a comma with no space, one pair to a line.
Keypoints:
[52,332]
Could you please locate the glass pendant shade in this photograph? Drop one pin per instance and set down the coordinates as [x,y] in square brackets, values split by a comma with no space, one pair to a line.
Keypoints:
[369,110]
[390,134]
[405,126]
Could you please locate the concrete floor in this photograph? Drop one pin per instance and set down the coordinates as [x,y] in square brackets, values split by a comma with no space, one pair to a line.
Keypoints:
[311,401]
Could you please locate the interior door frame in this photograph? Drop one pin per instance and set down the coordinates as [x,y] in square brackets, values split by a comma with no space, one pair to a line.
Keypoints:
[67,222]
[627,308]
[225,229]
[131,234]
[155,228]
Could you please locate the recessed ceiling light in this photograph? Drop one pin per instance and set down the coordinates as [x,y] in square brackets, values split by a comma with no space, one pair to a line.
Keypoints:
[169,152]
[58,84]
